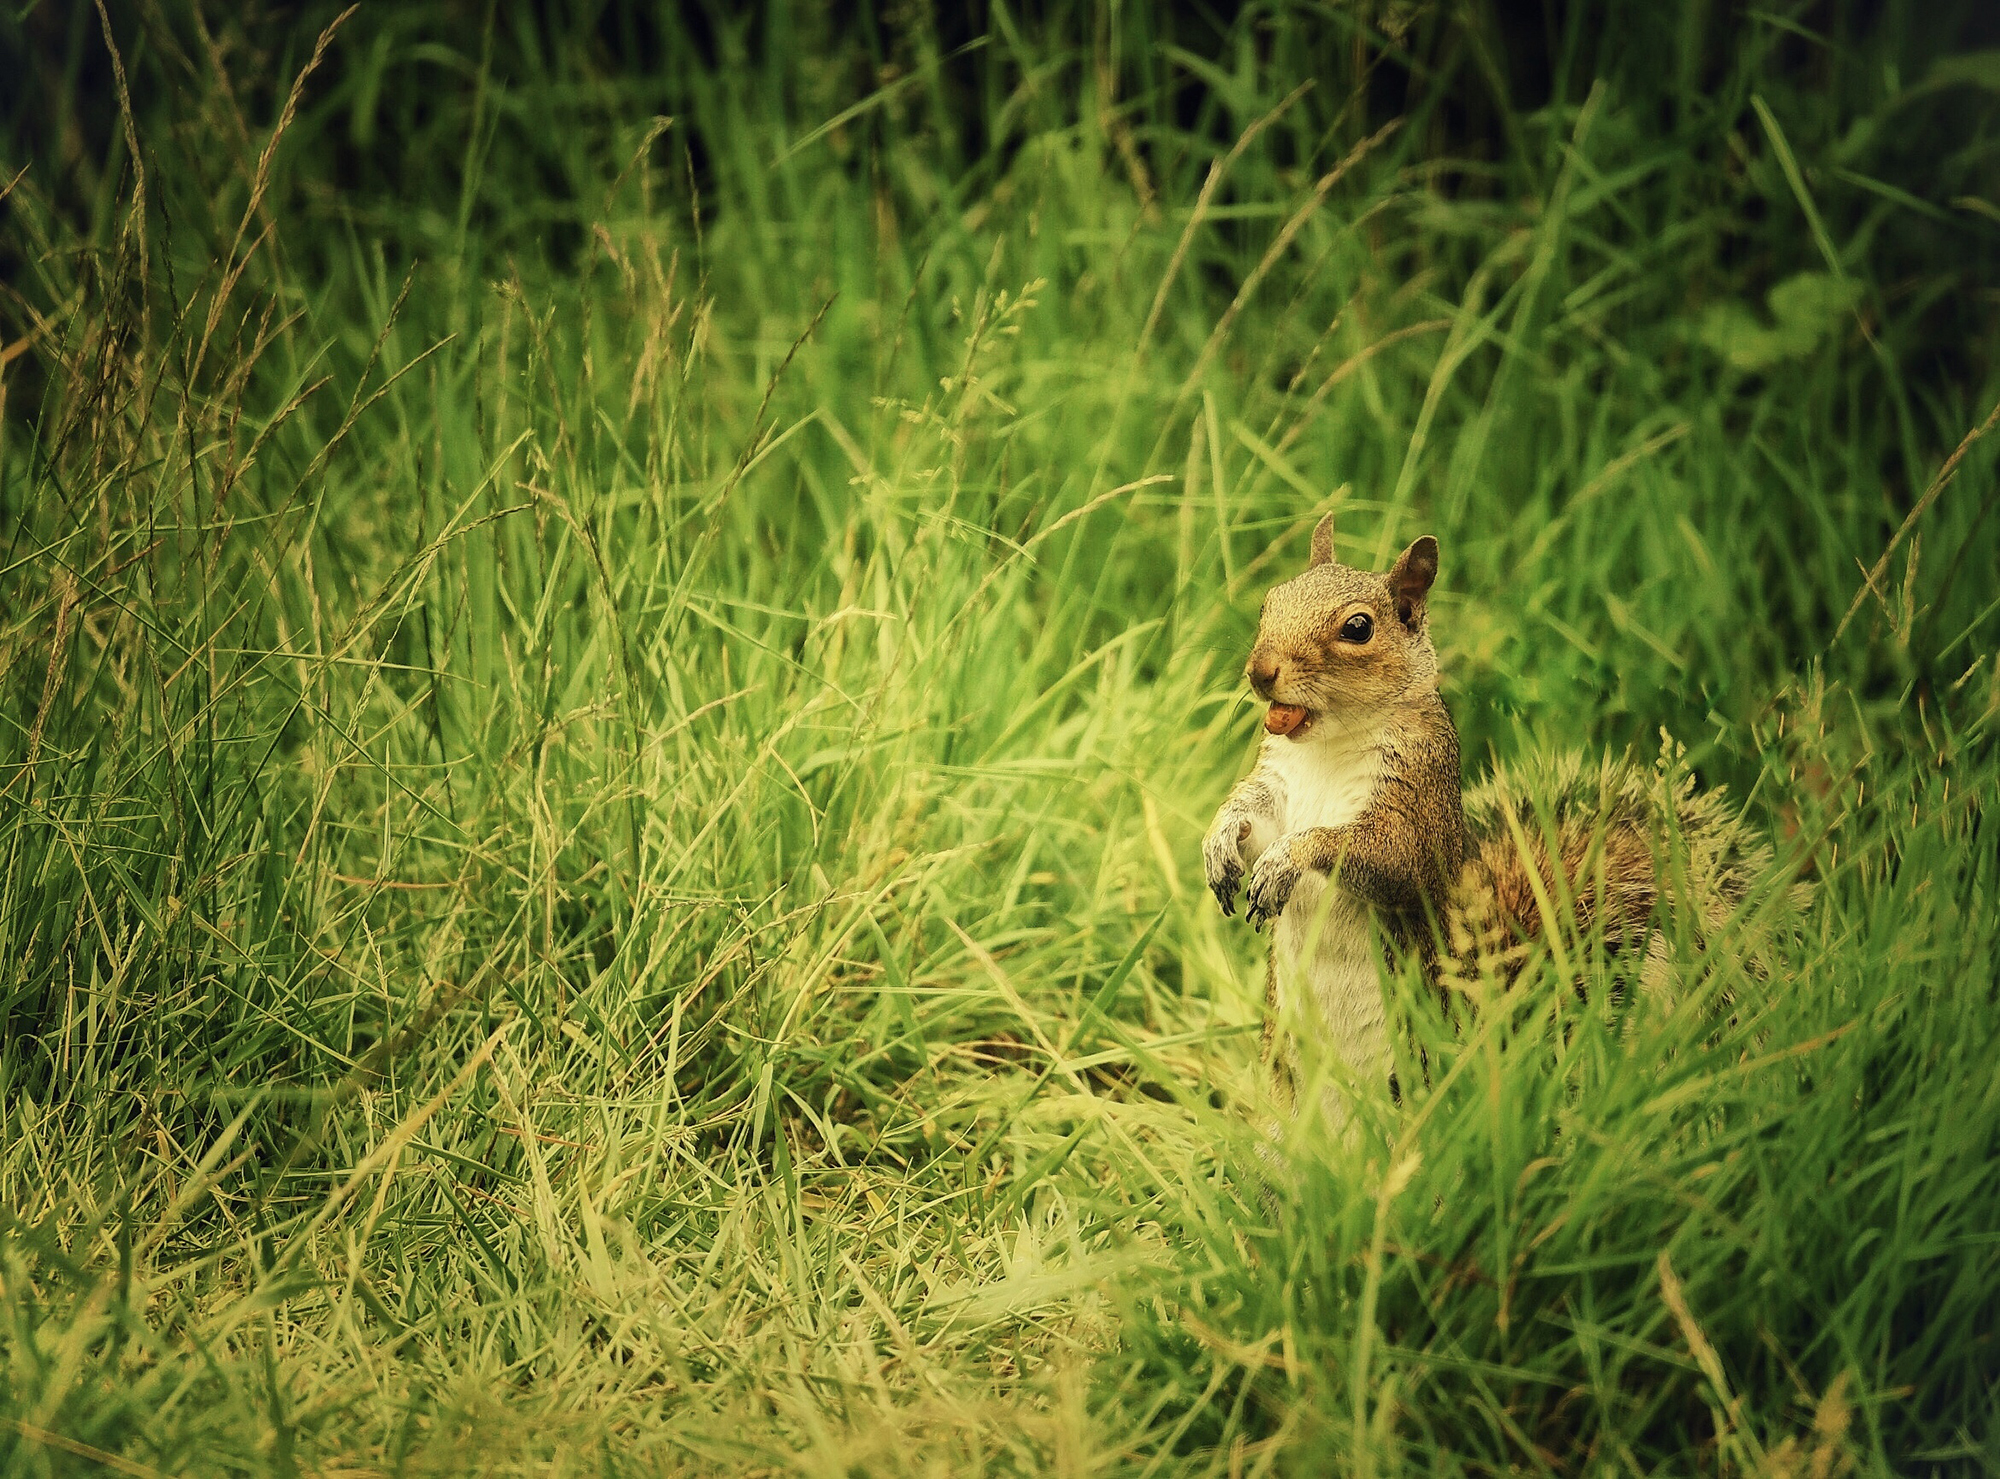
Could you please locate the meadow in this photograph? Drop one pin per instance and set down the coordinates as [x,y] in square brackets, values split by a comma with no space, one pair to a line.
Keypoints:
[618,628]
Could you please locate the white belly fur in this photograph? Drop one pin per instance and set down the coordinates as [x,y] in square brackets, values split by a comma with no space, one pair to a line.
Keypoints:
[1326,951]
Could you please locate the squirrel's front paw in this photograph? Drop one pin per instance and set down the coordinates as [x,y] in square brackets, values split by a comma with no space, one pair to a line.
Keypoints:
[1222,862]
[1271,884]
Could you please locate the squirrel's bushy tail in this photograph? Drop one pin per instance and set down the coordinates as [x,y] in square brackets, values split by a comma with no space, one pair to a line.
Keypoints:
[1613,850]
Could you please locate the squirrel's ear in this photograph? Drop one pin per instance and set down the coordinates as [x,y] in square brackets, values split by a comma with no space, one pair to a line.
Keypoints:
[1410,580]
[1323,541]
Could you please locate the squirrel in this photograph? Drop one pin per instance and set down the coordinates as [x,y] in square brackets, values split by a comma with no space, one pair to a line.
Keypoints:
[1357,839]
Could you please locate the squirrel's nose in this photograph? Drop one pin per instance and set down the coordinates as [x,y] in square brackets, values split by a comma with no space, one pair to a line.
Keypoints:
[1262,671]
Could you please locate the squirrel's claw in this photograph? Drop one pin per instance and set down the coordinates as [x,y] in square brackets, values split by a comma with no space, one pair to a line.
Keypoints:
[1222,867]
[1271,885]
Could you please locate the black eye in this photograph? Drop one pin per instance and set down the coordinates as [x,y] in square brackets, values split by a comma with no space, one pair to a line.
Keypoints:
[1357,628]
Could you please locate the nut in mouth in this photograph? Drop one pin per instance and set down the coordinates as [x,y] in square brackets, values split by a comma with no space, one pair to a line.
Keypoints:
[1288,719]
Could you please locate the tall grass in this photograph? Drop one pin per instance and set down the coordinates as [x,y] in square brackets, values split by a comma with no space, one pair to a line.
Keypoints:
[617,629]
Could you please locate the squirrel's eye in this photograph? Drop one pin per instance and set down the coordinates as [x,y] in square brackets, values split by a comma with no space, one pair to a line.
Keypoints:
[1357,628]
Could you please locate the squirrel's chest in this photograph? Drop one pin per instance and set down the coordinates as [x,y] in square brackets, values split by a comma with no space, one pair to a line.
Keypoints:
[1327,784]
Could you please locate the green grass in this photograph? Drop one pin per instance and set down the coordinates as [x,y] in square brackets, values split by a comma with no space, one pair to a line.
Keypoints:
[615,643]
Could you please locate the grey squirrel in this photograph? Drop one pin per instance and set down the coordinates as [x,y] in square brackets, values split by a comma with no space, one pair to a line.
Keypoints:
[1353,821]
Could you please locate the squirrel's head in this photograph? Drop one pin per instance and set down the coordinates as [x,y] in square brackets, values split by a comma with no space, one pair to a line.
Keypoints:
[1341,641]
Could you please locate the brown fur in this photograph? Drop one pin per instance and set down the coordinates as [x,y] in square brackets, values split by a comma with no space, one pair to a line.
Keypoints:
[1478,871]
[1402,853]
[1299,657]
